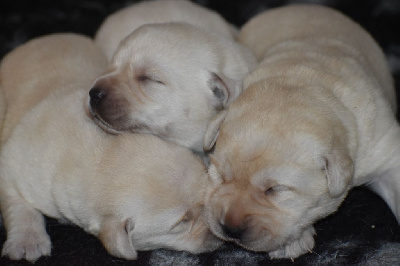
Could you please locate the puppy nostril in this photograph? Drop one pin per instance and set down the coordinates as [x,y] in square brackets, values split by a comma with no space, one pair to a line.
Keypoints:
[232,232]
[96,95]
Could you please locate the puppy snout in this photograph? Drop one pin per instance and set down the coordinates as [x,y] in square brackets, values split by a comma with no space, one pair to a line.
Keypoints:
[96,96]
[232,232]
[234,222]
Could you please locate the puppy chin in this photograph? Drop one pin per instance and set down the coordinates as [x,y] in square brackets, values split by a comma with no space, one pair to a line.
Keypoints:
[247,241]
[256,242]
[211,243]
[263,244]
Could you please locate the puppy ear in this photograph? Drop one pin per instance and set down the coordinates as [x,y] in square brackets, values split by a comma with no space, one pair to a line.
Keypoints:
[225,89]
[339,170]
[212,131]
[116,237]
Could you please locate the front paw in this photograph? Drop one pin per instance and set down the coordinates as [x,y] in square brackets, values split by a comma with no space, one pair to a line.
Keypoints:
[296,248]
[29,245]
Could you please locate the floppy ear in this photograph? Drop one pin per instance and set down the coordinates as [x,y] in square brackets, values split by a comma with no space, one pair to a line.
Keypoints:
[339,171]
[116,237]
[212,131]
[225,89]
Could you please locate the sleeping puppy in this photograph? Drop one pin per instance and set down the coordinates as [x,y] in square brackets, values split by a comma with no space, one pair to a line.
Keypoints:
[121,23]
[169,79]
[135,192]
[317,118]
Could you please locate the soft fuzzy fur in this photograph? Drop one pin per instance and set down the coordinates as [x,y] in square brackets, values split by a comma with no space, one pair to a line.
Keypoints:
[170,73]
[317,118]
[361,230]
[123,22]
[134,192]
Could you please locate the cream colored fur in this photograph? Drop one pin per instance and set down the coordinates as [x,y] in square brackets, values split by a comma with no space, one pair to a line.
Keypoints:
[2,111]
[121,23]
[316,119]
[134,192]
[169,79]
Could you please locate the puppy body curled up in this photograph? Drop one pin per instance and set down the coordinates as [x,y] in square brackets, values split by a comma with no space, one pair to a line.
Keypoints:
[316,119]
[121,23]
[135,192]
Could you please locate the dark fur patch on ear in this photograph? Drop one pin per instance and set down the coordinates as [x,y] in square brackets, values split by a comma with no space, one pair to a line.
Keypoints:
[218,93]
[211,151]
[218,88]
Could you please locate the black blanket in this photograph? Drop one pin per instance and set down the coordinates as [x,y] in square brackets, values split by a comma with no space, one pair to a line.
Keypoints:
[362,232]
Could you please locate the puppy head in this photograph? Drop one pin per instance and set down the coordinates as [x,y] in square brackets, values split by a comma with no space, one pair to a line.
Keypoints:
[275,171]
[169,80]
[158,201]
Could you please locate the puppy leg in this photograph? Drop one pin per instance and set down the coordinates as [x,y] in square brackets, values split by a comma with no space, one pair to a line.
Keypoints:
[296,248]
[26,233]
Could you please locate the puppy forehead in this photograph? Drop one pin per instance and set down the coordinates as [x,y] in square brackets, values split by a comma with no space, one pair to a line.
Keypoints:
[289,175]
[262,162]
[165,66]
[245,136]
[169,42]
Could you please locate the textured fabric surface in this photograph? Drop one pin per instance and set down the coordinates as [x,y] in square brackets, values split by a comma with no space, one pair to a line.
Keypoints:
[362,232]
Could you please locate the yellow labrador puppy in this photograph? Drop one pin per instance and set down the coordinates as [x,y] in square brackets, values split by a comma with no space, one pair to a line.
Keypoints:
[169,79]
[2,111]
[121,23]
[317,118]
[135,192]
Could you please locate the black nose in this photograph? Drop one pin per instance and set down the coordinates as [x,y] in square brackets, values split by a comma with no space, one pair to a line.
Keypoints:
[96,95]
[232,232]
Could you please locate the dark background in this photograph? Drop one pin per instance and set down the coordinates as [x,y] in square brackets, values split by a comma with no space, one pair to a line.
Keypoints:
[362,232]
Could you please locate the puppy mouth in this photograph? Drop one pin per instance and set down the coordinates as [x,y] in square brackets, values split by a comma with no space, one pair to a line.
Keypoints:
[103,124]
[246,237]
[134,128]
[246,242]
[238,242]
[218,231]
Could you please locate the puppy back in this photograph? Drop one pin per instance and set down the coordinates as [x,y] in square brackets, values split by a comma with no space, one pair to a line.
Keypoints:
[34,70]
[121,23]
[313,22]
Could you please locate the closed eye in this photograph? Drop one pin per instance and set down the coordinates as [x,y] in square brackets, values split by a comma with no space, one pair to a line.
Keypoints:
[276,189]
[146,78]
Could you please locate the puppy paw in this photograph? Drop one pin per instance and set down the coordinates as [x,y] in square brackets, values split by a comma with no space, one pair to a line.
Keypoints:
[296,248]
[29,245]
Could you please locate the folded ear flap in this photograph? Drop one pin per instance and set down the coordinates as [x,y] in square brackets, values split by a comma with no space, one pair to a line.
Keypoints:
[212,131]
[116,237]
[339,171]
[225,89]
